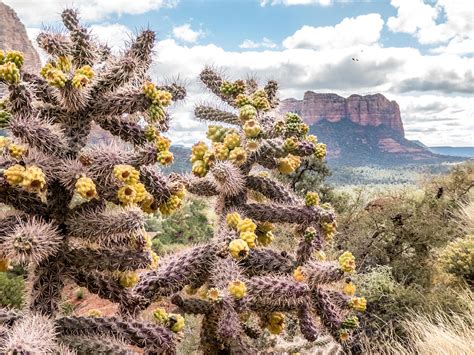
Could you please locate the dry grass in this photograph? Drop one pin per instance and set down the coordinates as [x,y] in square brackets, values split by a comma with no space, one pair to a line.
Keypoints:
[438,333]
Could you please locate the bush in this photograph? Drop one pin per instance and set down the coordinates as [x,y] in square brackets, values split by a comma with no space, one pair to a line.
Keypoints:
[458,258]
[12,289]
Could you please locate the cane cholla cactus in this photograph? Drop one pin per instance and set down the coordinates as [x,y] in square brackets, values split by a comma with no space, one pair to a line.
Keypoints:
[238,280]
[77,211]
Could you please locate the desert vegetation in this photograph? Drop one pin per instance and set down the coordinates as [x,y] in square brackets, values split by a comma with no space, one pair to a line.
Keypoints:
[250,251]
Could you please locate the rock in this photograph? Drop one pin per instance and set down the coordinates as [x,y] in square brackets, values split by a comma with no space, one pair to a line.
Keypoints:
[369,110]
[13,36]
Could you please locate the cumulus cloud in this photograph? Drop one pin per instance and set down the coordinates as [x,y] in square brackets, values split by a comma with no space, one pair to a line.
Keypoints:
[264,43]
[442,22]
[360,30]
[379,69]
[33,12]
[115,35]
[295,2]
[186,34]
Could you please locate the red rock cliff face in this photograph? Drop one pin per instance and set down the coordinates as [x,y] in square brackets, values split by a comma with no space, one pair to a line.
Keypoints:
[13,36]
[369,110]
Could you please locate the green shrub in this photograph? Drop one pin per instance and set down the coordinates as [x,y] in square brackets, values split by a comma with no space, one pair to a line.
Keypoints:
[11,290]
[458,258]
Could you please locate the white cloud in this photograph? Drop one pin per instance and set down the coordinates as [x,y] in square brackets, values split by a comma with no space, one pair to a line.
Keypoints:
[186,33]
[360,30]
[115,35]
[386,70]
[33,12]
[265,43]
[295,2]
[421,20]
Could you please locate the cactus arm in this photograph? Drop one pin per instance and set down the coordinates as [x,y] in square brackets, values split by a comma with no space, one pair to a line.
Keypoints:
[178,91]
[96,345]
[209,113]
[108,260]
[41,90]
[45,137]
[55,44]
[46,285]
[264,261]
[330,314]
[20,100]
[213,82]
[156,184]
[200,187]
[125,100]
[191,305]
[143,335]
[271,189]
[286,214]
[307,322]
[127,130]
[21,200]
[322,273]
[83,49]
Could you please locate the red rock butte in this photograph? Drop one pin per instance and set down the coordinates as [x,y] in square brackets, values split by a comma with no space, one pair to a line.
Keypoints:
[368,110]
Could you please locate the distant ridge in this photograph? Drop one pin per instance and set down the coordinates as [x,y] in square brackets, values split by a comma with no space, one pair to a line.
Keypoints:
[456,151]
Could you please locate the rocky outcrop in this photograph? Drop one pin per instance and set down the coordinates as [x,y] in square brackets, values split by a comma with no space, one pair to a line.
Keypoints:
[368,110]
[13,36]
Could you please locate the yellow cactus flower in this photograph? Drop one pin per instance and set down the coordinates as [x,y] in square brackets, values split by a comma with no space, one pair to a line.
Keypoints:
[349,288]
[14,174]
[249,238]
[232,140]
[238,155]
[17,151]
[246,225]
[126,173]
[165,157]
[358,304]
[128,279]
[237,289]
[233,219]
[347,262]
[238,248]
[127,194]
[176,322]
[213,294]
[85,187]
[34,179]
[311,198]
[171,205]
[298,274]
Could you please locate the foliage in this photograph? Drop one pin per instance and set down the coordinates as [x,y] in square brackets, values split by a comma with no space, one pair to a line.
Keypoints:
[12,289]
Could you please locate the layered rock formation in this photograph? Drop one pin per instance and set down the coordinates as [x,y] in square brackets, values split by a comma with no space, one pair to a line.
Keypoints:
[369,110]
[13,36]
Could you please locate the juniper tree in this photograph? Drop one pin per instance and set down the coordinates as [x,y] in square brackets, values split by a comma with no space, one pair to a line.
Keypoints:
[239,284]
[77,211]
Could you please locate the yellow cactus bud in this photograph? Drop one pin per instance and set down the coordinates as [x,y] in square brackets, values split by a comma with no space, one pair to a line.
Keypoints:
[320,150]
[289,164]
[198,150]
[128,279]
[298,274]
[221,151]
[64,63]
[80,81]
[14,174]
[249,238]
[141,192]
[176,322]
[329,229]
[347,262]
[358,304]
[238,248]
[85,187]
[246,225]
[15,57]
[349,289]
[233,219]
[126,173]
[162,143]
[312,138]
[154,260]
[251,128]
[237,289]
[199,168]
[265,239]
[232,140]
[247,112]
[165,157]
[290,144]
[171,205]
[160,316]
[10,73]
[311,198]
[276,322]
[17,151]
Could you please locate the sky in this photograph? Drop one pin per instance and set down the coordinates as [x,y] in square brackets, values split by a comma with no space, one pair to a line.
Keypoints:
[419,53]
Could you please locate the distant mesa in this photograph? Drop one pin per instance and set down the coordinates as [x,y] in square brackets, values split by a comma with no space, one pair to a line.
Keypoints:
[360,130]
